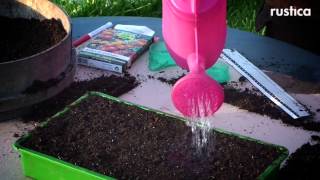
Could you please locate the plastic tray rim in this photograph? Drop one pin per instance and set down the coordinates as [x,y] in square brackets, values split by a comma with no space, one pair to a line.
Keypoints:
[283,152]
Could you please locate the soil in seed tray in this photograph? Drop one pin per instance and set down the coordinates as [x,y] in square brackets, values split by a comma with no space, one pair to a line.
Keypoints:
[25,37]
[112,85]
[129,143]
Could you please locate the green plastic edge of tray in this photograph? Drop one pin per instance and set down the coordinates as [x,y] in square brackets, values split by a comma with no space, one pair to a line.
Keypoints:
[269,173]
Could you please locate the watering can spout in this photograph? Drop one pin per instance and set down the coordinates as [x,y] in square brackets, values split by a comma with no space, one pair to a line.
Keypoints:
[196,63]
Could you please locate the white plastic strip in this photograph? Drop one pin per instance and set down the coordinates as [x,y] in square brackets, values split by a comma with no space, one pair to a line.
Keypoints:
[135,29]
[98,30]
[105,53]
[266,85]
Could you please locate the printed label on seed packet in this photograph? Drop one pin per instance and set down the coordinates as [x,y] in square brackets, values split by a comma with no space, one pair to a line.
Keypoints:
[118,44]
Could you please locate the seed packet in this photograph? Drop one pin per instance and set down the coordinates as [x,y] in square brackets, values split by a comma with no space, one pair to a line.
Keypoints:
[115,49]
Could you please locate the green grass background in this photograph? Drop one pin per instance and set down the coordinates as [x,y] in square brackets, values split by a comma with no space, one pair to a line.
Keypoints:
[241,13]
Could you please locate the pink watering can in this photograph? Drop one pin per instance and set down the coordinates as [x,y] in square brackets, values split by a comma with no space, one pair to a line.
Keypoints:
[195,33]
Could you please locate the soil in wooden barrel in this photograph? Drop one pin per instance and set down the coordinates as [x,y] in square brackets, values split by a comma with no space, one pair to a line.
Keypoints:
[25,37]
[129,143]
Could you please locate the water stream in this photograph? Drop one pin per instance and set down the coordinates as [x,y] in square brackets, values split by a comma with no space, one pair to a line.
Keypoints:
[203,137]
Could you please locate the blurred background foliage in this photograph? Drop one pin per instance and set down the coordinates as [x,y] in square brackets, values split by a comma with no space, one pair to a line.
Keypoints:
[241,13]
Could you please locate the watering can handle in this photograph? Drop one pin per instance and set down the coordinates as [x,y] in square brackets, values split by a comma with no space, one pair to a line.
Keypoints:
[195,62]
[194,7]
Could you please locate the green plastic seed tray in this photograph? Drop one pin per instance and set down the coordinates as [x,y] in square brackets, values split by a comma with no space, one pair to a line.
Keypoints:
[44,167]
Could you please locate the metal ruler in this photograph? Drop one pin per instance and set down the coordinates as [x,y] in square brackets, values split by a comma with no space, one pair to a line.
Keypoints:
[266,85]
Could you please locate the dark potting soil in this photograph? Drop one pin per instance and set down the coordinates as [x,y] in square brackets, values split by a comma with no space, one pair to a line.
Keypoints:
[262,105]
[316,138]
[304,163]
[112,85]
[38,86]
[170,81]
[242,79]
[248,101]
[129,143]
[25,37]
